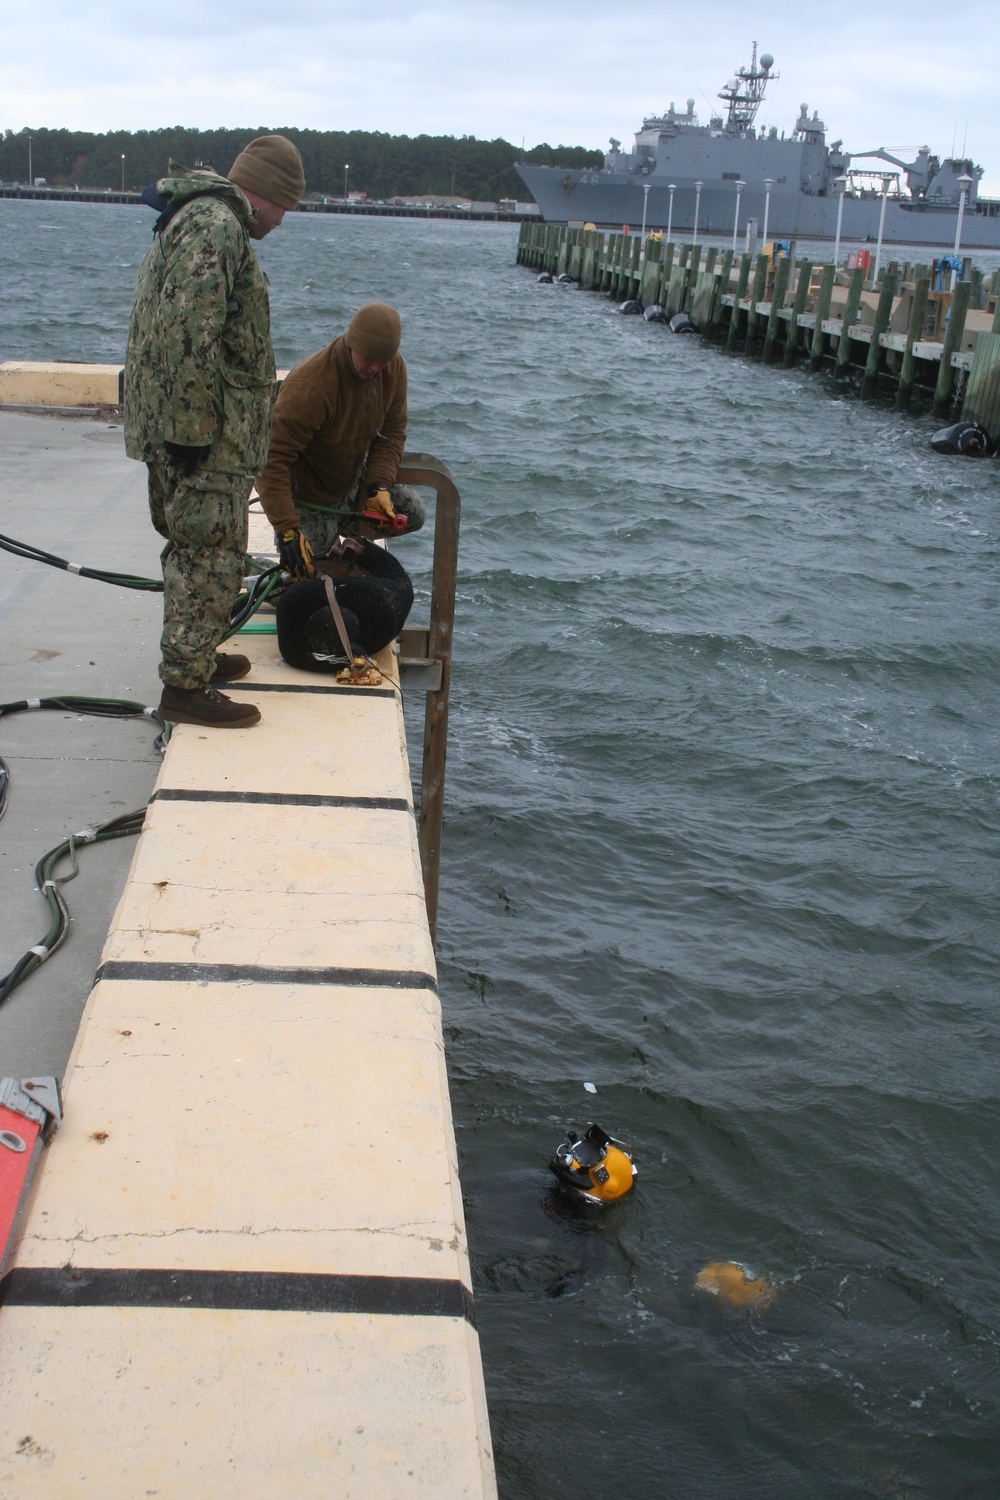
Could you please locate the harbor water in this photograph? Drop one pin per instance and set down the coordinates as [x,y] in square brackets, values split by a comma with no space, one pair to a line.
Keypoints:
[722,842]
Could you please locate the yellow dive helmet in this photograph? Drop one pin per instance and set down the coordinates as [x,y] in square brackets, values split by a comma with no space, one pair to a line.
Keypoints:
[597,1166]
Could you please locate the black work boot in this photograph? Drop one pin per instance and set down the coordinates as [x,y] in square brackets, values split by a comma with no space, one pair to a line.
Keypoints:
[206,707]
[229,666]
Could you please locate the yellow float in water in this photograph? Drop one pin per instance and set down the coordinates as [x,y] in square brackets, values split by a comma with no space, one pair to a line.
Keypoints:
[734,1284]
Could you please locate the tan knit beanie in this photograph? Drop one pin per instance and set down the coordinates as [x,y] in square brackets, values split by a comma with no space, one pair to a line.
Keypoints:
[374,332]
[271,167]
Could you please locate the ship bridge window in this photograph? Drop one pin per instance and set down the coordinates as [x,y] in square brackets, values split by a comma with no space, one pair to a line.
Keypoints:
[730,176]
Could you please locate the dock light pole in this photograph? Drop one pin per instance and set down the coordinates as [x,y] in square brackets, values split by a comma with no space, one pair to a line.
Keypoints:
[768,185]
[347,168]
[670,215]
[123,171]
[697,205]
[840,183]
[881,226]
[645,205]
[740,185]
[964,182]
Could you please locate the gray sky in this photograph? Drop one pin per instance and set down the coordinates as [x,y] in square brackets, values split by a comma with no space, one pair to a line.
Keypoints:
[892,74]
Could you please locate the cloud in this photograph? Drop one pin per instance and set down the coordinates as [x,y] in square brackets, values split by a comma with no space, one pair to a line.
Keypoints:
[890,76]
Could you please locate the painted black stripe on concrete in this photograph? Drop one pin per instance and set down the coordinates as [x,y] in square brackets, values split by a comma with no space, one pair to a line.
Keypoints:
[281,799]
[307,687]
[387,979]
[237,1291]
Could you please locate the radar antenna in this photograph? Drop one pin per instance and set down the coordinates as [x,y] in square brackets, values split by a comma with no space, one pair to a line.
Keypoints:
[745,93]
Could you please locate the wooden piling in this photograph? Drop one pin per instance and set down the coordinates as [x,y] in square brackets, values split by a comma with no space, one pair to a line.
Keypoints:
[756,294]
[650,273]
[621,250]
[633,269]
[721,287]
[675,291]
[849,319]
[883,313]
[982,395]
[610,251]
[666,266]
[823,298]
[562,253]
[907,373]
[701,299]
[587,261]
[777,303]
[798,308]
[952,339]
[741,291]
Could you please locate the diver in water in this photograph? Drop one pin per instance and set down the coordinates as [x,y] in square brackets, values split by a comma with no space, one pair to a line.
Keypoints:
[552,1234]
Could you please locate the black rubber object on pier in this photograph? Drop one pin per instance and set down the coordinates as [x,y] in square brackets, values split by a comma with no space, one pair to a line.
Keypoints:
[375,595]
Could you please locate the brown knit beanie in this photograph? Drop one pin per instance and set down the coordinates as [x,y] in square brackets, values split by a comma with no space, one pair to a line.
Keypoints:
[271,167]
[374,332]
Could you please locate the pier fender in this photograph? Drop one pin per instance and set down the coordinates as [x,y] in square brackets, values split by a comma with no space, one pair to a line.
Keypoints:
[630,308]
[655,314]
[565,280]
[963,437]
[545,279]
[681,323]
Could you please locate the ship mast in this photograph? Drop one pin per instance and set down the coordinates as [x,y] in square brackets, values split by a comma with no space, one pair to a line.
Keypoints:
[745,93]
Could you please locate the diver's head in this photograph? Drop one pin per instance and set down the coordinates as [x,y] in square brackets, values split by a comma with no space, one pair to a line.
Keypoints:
[596,1166]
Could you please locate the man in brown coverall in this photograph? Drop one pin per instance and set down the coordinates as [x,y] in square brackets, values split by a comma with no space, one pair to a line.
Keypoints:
[337,441]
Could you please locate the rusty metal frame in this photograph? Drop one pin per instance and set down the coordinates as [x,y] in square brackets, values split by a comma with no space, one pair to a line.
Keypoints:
[425,662]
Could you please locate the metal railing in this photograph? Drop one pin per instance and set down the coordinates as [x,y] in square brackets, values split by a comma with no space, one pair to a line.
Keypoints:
[425,662]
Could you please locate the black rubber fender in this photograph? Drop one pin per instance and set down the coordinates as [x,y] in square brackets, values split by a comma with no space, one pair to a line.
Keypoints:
[375,598]
[963,437]
[681,323]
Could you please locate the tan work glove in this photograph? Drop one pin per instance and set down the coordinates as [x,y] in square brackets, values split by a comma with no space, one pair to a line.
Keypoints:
[295,553]
[380,500]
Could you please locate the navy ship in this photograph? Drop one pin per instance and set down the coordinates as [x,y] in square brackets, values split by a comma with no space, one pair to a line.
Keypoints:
[681,174]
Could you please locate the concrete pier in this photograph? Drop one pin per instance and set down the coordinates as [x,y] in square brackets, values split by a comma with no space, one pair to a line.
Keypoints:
[244,1265]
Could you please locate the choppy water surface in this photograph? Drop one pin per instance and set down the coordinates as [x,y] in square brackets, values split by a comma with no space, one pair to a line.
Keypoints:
[722,839]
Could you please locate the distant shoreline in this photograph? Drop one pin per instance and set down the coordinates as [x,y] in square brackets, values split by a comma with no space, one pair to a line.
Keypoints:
[482,212]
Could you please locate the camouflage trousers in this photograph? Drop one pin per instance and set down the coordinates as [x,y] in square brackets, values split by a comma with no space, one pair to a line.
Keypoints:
[204,518]
[321,528]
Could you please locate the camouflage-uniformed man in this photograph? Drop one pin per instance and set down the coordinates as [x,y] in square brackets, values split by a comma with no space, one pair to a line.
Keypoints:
[199,399]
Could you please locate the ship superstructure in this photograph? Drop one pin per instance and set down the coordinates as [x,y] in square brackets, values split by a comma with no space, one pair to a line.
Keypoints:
[679,167]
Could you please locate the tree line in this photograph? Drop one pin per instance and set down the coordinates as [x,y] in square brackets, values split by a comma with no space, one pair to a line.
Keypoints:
[381,165]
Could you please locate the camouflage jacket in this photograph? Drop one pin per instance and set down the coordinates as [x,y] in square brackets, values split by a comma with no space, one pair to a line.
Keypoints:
[199,368]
